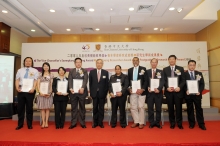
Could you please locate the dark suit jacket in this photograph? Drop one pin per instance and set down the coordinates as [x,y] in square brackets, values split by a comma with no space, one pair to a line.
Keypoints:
[124,83]
[102,85]
[142,77]
[54,88]
[181,80]
[200,82]
[149,74]
[72,75]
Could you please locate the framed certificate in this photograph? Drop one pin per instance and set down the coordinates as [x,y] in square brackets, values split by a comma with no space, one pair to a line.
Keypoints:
[173,82]
[154,83]
[135,85]
[77,84]
[27,85]
[116,87]
[192,86]
[44,87]
[62,86]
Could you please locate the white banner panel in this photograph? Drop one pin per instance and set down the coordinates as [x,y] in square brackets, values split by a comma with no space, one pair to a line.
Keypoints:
[113,53]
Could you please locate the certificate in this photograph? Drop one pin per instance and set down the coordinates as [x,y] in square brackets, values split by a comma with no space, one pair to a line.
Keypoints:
[77,84]
[44,87]
[154,83]
[62,86]
[27,85]
[135,85]
[116,87]
[173,82]
[192,86]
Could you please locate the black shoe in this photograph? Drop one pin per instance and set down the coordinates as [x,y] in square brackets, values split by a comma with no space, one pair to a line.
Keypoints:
[72,126]
[57,127]
[94,125]
[30,127]
[191,127]
[123,126]
[113,126]
[101,125]
[159,126]
[61,127]
[202,127]
[151,126]
[19,127]
[180,127]
[172,126]
[83,126]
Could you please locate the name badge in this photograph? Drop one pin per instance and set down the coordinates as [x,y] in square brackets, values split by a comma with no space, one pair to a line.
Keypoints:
[104,77]
[118,80]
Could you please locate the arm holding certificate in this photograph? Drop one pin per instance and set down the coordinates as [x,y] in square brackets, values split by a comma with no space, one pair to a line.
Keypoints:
[192,86]
[135,86]
[154,85]
[172,83]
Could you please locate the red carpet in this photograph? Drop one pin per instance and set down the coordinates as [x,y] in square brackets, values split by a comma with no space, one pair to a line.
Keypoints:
[108,136]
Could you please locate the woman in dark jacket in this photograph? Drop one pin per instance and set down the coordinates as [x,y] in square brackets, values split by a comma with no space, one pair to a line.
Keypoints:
[60,99]
[118,100]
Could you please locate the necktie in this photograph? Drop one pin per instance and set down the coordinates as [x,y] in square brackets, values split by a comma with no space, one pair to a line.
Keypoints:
[135,75]
[98,75]
[26,74]
[153,75]
[191,76]
[172,72]
[77,73]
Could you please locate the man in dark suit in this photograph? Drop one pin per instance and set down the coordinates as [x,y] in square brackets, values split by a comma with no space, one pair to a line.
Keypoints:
[155,96]
[78,98]
[194,99]
[98,85]
[137,99]
[174,95]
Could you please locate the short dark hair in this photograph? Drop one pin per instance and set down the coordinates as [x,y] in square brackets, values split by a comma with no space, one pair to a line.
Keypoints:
[191,61]
[78,59]
[45,63]
[118,66]
[172,56]
[135,57]
[154,59]
[32,62]
[62,69]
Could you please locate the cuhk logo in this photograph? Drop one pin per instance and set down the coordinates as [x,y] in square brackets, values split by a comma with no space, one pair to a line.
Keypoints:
[86,47]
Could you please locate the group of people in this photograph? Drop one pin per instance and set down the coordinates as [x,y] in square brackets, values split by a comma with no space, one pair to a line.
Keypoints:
[101,85]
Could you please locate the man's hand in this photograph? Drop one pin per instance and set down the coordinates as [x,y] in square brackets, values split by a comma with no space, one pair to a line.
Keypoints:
[156,90]
[177,89]
[139,91]
[198,93]
[112,95]
[32,90]
[59,93]
[118,94]
[81,90]
[71,90]
[170,89]
[149,90]
[187,92]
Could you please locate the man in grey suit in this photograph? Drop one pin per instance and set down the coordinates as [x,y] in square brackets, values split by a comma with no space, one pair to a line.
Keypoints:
[78,97]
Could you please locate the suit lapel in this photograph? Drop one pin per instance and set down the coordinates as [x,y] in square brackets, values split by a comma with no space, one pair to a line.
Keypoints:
[132,70]
[150,73]
[169,72]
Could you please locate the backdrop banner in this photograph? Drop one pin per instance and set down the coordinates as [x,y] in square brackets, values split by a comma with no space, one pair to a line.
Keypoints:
[114,53]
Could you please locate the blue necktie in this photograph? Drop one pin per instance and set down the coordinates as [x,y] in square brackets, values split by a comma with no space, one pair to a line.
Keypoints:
[191,76]
[135,75]
[26,74]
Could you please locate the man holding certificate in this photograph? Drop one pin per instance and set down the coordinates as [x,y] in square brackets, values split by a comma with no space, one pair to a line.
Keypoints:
[26,81]
[193,95]
[174,83]
[155,94]
[78,78]
[138,83]
[98,85]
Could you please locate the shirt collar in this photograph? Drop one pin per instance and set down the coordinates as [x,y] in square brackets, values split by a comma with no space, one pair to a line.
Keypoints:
[191,71]
[58,77]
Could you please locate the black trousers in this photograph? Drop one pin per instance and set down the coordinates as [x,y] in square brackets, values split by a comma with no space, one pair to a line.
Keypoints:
[98,109]
[156,99]
[192,101]
[76,100]
[25,101]
[118,102]
[60,112]
[174,117]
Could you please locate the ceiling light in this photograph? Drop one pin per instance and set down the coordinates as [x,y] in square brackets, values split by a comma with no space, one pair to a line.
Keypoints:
[91,10]
[179,10]
[111,9]
[126,28]
[32,30]
[97,29]
[161,29]
[51,10]
[68,29]
[155,28]
[131,9]
[4,11]
[171,8]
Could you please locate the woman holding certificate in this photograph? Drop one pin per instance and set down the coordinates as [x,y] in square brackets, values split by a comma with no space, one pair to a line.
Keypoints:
[45,98]
[60,89]
[118,86]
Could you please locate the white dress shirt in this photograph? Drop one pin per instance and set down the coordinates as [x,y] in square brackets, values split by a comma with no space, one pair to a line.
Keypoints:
[32,74]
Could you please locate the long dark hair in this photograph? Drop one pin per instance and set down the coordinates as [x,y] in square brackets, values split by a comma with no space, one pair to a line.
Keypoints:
[32,62]
[45,63]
